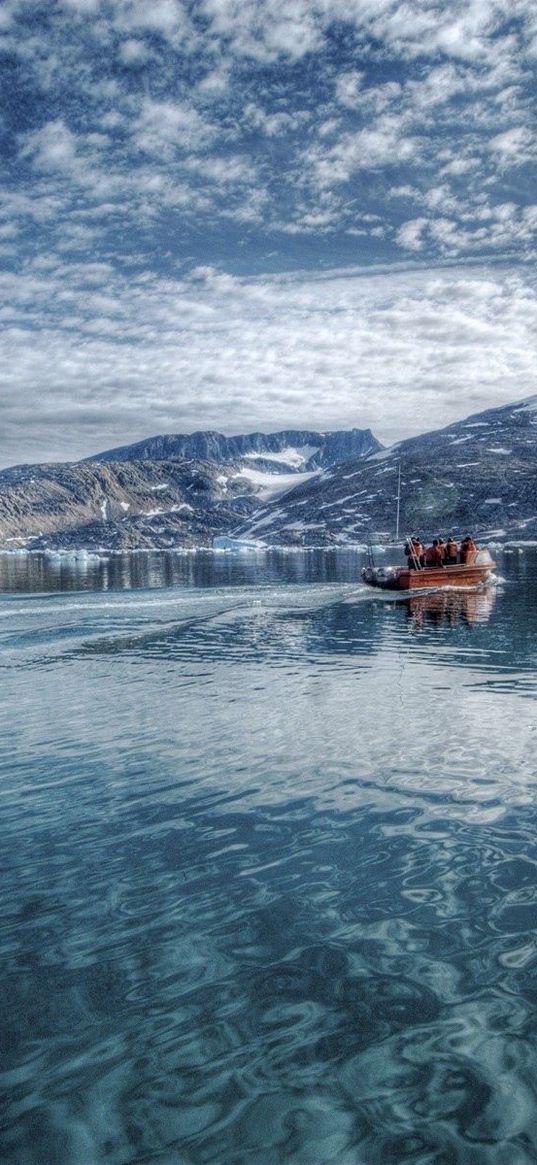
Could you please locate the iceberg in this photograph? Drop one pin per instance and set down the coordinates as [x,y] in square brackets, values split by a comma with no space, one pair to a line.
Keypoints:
[224,542]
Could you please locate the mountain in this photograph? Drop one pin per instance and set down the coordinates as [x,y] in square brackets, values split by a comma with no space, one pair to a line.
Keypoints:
[161,492]
[479,474]
[120,506]
[167,491]
[291,451]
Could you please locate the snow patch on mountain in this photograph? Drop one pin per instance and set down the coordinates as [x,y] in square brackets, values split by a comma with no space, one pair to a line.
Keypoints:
[383,454]
[269,485]
[295,457]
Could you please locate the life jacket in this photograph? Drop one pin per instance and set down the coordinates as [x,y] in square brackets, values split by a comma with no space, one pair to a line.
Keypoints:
[434,556]
[468,552]
[451,549]
[413,551]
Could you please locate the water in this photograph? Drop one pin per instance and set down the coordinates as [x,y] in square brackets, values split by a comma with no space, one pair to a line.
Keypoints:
[268,865]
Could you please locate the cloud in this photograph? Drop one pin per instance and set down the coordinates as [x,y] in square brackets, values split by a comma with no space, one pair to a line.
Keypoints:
[54,147]
[456,227]
[275,124]
[348,87]
[82,7]
[145,138]
[410,234]
[133,87]
[134,52]
[265,31]
[167,17]
[382,146]
[515,146]
[398,351]
[164,126]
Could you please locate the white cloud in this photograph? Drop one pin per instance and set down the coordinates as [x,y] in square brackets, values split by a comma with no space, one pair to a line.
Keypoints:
[52,148]
[463,113]
[515,146]
[6,19]
[82,7]
[348,88]
[164,126]
[215,83]
[467,31]
[134,52]
[228,170]
[110,360]
[457,166]
[274,124]
[247,132]
[164,16]
[265,30]
[383,145]
[481,226]
[410,234]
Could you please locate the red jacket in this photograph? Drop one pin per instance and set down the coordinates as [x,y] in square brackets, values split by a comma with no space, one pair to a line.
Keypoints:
[434,556]
[468,551]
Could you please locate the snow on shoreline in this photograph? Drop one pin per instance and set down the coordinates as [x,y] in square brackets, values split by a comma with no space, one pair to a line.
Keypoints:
[102,553]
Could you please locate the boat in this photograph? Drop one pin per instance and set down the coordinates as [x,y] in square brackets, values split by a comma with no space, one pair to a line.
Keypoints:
[403,578]
[473,572]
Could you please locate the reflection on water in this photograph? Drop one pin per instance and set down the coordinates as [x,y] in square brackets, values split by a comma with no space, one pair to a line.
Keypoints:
[269,870]
[450,605]
[161,568]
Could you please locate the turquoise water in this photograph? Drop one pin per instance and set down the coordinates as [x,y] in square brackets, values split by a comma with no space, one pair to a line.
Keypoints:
[268,865]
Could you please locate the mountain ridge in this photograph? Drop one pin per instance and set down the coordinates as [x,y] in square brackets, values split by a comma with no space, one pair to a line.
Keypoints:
[320,448]
[124,498]
[477,474]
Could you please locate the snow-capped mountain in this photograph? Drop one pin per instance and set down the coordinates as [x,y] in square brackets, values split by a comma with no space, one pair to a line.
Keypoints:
[479,474]
[266,463]
[160,492]
[290,451]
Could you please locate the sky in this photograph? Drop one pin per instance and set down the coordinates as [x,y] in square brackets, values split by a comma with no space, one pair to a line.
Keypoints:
[263,214]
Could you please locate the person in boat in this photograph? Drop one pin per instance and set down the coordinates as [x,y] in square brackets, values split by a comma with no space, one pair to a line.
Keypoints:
[452,552]
[434,555]
[442,549]
[468,550]
[414,553]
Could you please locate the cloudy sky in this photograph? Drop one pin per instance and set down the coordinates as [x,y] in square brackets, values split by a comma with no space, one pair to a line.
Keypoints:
[242,214]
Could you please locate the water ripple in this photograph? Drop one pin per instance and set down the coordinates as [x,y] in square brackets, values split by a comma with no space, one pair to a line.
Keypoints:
[269,877]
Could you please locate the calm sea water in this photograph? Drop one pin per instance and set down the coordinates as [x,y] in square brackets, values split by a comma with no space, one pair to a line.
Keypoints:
[269,854]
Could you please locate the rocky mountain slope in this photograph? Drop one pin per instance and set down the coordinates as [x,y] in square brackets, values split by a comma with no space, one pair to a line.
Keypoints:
[166,491]
[124,505]
[292,450]
[479,474]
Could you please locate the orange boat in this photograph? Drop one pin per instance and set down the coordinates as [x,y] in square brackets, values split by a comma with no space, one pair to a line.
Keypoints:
[402,578]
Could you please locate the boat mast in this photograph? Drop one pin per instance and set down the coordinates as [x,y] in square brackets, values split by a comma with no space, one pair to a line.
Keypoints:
[398,501]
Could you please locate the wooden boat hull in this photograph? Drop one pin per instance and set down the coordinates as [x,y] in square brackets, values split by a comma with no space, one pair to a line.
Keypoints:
[403,579]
